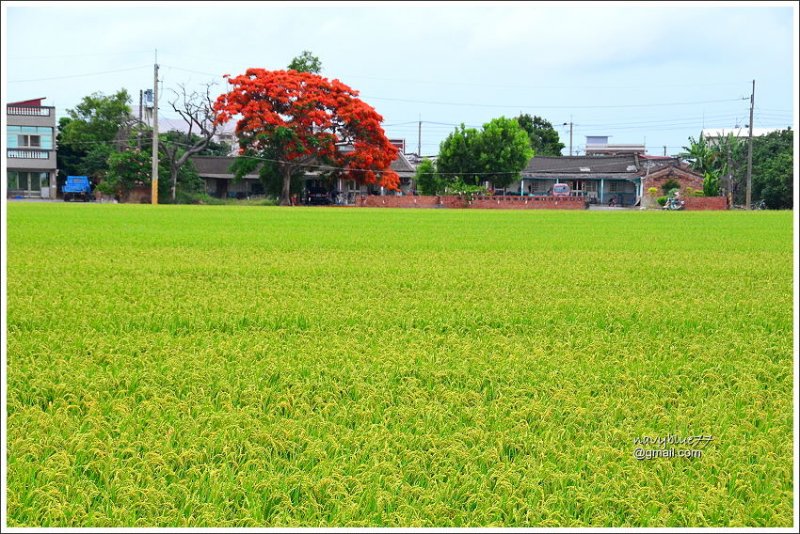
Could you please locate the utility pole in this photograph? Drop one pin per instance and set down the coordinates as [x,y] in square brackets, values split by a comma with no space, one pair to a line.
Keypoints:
[665,150]
[154,179]
[570,133]
[419,138]
[749,191]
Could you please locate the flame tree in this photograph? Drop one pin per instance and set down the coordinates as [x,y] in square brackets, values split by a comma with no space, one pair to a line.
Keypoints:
[292,121]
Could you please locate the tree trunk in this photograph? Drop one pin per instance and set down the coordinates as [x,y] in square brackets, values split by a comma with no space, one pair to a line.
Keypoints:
[286,190]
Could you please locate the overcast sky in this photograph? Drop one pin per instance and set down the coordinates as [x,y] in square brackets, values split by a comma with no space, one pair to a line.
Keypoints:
[640,73]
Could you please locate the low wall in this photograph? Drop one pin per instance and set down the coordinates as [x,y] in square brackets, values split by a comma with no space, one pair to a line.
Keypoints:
[450,201]
[393,201]
[705,203]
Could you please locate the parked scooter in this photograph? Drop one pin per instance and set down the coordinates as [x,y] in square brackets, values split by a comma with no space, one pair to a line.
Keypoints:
[674,202]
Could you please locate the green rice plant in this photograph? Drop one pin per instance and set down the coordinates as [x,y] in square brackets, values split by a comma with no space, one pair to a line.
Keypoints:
[218,366]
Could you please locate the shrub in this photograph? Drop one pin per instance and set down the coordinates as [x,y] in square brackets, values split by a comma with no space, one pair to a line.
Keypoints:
[669,185]
[661,200]
[183,197]
[711,184]
[652,191]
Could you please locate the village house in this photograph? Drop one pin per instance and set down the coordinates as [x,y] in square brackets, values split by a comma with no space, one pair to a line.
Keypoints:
[622,180]
[599,179]
[31,149]
[219,180]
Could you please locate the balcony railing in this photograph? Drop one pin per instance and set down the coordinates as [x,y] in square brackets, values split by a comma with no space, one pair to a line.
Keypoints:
[27,153]
[30,111]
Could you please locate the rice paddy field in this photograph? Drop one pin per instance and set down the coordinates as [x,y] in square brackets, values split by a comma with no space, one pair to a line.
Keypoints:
[257,366]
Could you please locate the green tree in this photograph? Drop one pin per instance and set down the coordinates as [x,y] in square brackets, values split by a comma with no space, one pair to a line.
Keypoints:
[306,62]
[125,171]
[428,180]
[459,156]
[504,150]
[543,137]
[497,153]
[133,167]
[68,158]
[773,169]
[729,156]
[705,160]
[93,130]
[710,184]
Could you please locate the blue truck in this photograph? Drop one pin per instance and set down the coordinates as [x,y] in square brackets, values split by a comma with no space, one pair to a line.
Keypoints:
[77,187]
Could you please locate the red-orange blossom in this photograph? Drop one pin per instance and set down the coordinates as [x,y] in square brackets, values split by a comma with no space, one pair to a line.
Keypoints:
[303,119]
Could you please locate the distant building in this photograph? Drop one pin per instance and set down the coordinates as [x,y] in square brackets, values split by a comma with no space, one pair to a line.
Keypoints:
[597,178]
[399,143]
[219,180]
[225,132]
[620,180]
[598,145]
[712,134]
[31,150]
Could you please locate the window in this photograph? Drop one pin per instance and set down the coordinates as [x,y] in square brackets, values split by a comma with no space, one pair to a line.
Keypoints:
[30,137]
[616,186]
[25,141]
[27,181]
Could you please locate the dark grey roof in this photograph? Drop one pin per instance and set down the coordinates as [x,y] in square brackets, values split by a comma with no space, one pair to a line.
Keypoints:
[401,165]
[216,166]
[581,166]
[219,166]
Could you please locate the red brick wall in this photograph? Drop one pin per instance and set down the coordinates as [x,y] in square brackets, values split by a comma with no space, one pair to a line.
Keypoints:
[695,183]
[392,201]
[373,201]
[452,202]
[705,203]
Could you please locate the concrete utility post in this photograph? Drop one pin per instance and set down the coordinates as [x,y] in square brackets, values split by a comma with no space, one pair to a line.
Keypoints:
[154,180]
[419,138]
[749,192]
[570,134]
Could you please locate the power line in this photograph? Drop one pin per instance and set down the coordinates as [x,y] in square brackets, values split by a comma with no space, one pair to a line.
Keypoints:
[81,55]
[510,105]
[78,75]
[615,106]
[507,86]
[653,121]
[219,75]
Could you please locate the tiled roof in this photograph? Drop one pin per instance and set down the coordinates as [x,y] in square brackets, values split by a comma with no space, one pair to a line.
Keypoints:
[215,167]
[673,170]
[219,167]
[581,165]
[402,165]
